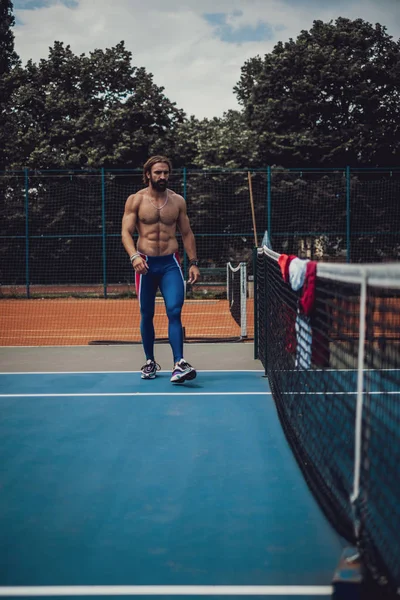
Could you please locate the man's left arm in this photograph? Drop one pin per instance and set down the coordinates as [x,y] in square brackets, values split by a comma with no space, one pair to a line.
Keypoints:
[189,243]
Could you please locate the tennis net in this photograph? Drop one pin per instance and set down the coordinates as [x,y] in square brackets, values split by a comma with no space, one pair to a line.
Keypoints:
[236,290]
[328,336]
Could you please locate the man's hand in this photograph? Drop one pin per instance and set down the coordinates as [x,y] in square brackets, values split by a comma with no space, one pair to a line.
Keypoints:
[140,265]
[194,274]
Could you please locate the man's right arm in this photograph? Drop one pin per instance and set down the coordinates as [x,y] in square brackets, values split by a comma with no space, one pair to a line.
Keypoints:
[129,221]
[129,225]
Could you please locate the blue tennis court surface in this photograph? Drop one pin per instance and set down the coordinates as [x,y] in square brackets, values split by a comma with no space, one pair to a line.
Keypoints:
[111,481]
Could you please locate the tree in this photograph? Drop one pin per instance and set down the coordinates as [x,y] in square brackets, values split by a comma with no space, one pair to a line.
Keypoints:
[8,57]
[225,142]
[8,62]
[89,111]
[331,98]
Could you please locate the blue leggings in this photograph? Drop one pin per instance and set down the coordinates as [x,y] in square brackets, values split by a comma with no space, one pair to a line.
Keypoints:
[164,273]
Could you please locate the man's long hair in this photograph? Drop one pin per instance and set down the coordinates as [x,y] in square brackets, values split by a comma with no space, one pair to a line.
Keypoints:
[152,161]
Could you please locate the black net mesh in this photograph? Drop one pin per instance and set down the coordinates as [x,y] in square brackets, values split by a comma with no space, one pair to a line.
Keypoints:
[322,378]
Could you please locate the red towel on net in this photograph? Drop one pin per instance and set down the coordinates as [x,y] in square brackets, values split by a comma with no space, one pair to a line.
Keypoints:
[288,315]
[319,348]
[307,299]
[284,261]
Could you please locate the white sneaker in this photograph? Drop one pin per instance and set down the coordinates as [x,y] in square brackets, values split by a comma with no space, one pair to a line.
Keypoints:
[183,372]
[149,370]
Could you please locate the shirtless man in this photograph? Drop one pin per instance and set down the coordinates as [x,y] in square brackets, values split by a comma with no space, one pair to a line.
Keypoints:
[156,212]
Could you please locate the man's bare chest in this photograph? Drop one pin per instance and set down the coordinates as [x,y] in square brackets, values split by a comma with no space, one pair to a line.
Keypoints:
[149,215]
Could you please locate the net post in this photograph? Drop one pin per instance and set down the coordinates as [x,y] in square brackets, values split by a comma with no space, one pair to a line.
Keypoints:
[255,307]
[349,577]
[243,300]
[265,317]
[236,289]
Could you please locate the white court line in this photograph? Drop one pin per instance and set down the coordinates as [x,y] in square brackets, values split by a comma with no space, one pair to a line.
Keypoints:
[167,590]
[332,370]
[133,394]
[129,372]
[311,393]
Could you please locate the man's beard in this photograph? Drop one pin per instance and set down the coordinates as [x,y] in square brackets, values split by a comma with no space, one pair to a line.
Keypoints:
[158,186]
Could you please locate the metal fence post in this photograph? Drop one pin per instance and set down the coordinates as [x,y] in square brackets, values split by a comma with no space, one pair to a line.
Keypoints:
[348,250]
[27,274]
[103,224]
[185,268]
[269,204]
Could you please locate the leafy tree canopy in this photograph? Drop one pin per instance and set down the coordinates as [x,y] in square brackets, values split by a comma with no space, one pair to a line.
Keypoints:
[8,62]
[88,111]
[225,142]
[331,97]
[8,57]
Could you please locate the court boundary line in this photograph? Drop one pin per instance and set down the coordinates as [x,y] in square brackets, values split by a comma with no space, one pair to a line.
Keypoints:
[198,370]
[132,394]
[167,590]
[189,393]
[124,345]
[353,393]
[127,372]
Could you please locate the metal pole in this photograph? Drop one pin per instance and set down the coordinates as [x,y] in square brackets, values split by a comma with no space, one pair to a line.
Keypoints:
[103,222]
[255,296]
[269,204]
[348,250]
[27,274]
[185,267]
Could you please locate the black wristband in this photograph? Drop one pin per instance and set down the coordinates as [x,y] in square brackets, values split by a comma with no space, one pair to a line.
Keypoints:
[193,263]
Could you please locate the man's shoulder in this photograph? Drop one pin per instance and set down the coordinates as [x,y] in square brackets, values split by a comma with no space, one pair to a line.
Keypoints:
[136,197]
[175,197]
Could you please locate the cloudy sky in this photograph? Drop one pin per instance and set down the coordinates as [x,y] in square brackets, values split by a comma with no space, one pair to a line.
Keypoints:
[195,49]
